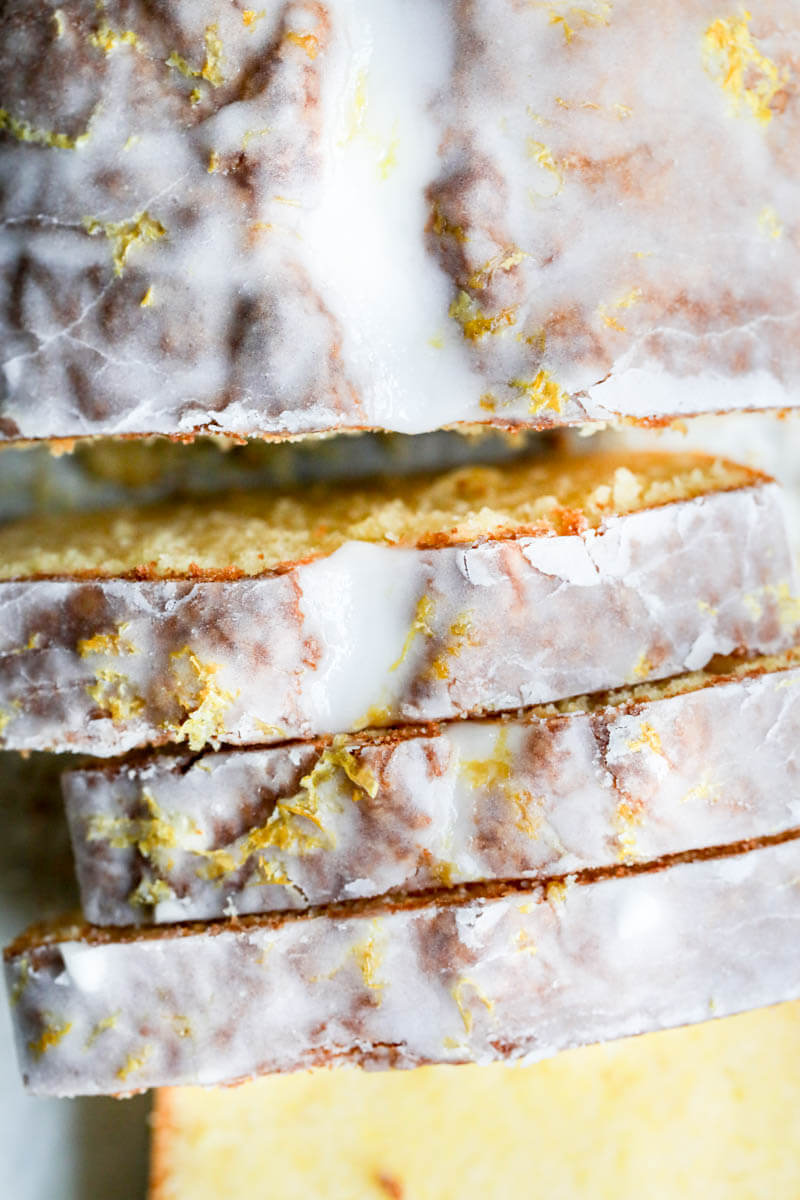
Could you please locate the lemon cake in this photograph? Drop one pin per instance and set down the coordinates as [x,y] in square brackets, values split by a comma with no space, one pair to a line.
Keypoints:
[467,974]
[651,770]
[315,216]
[267,617]
[705,1113]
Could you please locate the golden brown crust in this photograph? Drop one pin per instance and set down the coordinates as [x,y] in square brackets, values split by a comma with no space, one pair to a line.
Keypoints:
[163,1131]
[48,933]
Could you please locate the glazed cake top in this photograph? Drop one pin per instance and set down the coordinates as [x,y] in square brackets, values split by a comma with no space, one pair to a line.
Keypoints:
[318,216]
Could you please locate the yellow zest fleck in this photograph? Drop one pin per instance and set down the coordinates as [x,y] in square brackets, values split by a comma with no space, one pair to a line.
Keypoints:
[101,1027]
[148,299]
[543,157]
[629,299]
[442,227]
[734,62]
[125,235]
[112,691]
[437,341]
[462,633]
[476,324]
[23,131]
[542,392]
[642,667]
[369,956]
[273,732]
[149,835]
[562,14]
[306,41]
[211,68]
[132,141]
[202,697]
[213,162]
[497,773]
[622,111]
[490,772]
[5,720]
[704,606]
[178,63]
[525,943]
[107,643]
[648,739]
[537,339]
[612,322]
[249,135]
[250,17]
[504,260]
[357,108]
[556,891]
[523,800]
[627,817]
[769,224]
[444,872]
[195,96]
[488,402]
[466,1012]
[388,160]
[284,830]
[134,1062]
[356,771]
[52,1034]
[267,872]
[420,624]
[704,790]
[181,1025]
[107,39]
[376,715]
[150,892]
[60,24]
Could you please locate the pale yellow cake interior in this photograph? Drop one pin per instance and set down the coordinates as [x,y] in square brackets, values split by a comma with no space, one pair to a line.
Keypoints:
[710,1112]
[252,533]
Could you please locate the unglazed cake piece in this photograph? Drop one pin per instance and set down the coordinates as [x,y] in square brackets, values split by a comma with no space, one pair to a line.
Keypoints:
[648,771]
[265,618]
[583,211]
[594,1121]
[461,975]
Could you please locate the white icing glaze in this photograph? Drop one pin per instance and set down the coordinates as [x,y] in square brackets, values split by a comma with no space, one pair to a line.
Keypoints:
[339,643]
[474,800]
[522,976]
[341,174]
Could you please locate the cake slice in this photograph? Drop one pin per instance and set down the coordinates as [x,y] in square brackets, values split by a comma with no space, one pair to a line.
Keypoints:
[705,1113]
[477,974]
[651,770]
[198,232]
[266,617]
